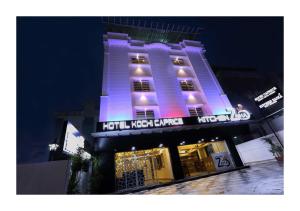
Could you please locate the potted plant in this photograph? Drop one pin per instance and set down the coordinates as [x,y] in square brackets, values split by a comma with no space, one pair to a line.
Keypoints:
[78,167]
[96,176]
[276,150]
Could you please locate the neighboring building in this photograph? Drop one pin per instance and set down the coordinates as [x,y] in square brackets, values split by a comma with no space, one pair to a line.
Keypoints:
[163,114]
[243,86]
[43,178]
[84,120]
[73,131]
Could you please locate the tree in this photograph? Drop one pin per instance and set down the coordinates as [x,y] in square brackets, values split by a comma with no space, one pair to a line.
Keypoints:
[96,177]
[276,150]
[78,165]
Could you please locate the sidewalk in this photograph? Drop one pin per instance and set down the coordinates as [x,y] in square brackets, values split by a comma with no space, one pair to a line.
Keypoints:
[261,178]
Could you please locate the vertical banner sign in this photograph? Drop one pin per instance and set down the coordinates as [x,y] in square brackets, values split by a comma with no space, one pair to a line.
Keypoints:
[268,98]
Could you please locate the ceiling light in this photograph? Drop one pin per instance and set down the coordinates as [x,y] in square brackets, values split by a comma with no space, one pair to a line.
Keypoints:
[143,98]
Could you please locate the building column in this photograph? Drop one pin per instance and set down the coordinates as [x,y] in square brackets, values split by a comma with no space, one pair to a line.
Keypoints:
[234,153]
[175,161]
[107,166]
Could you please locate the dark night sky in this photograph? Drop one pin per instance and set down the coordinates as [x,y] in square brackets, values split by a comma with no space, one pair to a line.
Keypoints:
[59,64]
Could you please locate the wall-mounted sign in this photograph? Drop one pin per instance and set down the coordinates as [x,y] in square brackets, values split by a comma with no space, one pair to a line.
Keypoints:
[73,140]
[234,116]
[241,115]
[138,124]
[268,98]
[222,161]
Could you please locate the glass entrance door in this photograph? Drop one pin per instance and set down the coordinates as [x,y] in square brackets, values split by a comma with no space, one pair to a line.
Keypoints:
[141,168]
[204,158]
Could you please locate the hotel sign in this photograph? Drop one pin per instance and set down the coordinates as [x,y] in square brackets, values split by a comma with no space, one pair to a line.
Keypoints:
[268,98]
[234,116]
[138,124]
[241,115]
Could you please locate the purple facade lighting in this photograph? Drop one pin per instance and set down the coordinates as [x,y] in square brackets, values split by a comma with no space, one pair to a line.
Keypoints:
[166,98]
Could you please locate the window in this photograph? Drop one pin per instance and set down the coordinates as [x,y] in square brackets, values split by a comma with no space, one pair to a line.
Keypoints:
[196,111]
[178,62]
[187,85]
[147,114]
[139,60]
[141,86]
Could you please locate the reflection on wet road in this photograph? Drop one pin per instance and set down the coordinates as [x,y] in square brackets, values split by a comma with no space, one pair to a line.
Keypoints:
[262,178]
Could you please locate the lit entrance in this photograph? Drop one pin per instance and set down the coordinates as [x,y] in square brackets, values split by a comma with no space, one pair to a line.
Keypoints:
[141,168]
[205,158]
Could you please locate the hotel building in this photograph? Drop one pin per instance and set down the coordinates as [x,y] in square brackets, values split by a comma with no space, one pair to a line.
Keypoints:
[163,114]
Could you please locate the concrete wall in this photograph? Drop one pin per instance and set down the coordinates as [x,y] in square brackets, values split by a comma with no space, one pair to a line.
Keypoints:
[169,94]
[215,97]
[118,105]
[257,149]
[43,178]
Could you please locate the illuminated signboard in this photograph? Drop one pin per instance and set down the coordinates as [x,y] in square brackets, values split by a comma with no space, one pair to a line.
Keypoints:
[222,161]
[241,115]
[73,140]
[268,98]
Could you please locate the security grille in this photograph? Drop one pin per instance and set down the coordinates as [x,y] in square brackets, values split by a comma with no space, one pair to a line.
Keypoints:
[135,171]
[178,62]
[148,114]
[196,111]
[187,85]
[141,86]
[139,60]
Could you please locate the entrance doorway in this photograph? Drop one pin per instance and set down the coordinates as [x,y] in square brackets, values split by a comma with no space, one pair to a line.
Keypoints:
[143,167]
[205,158]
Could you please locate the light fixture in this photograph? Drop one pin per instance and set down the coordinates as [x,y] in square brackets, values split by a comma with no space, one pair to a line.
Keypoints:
[85,155]
[191,97]
[217,138]
[212,140]
[202,139]
[199,141]
[139,70]
[235,137]
[137,56]
[53,147]
[181,71]
[143,98]
[160,145]
[133,148]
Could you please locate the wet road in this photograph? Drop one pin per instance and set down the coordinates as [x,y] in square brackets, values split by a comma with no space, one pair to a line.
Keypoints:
[262,178]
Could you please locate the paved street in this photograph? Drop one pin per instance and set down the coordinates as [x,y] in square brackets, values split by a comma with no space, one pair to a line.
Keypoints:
[262,178]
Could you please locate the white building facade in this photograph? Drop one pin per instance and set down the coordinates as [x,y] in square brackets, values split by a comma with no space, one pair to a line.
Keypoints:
[157,80]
